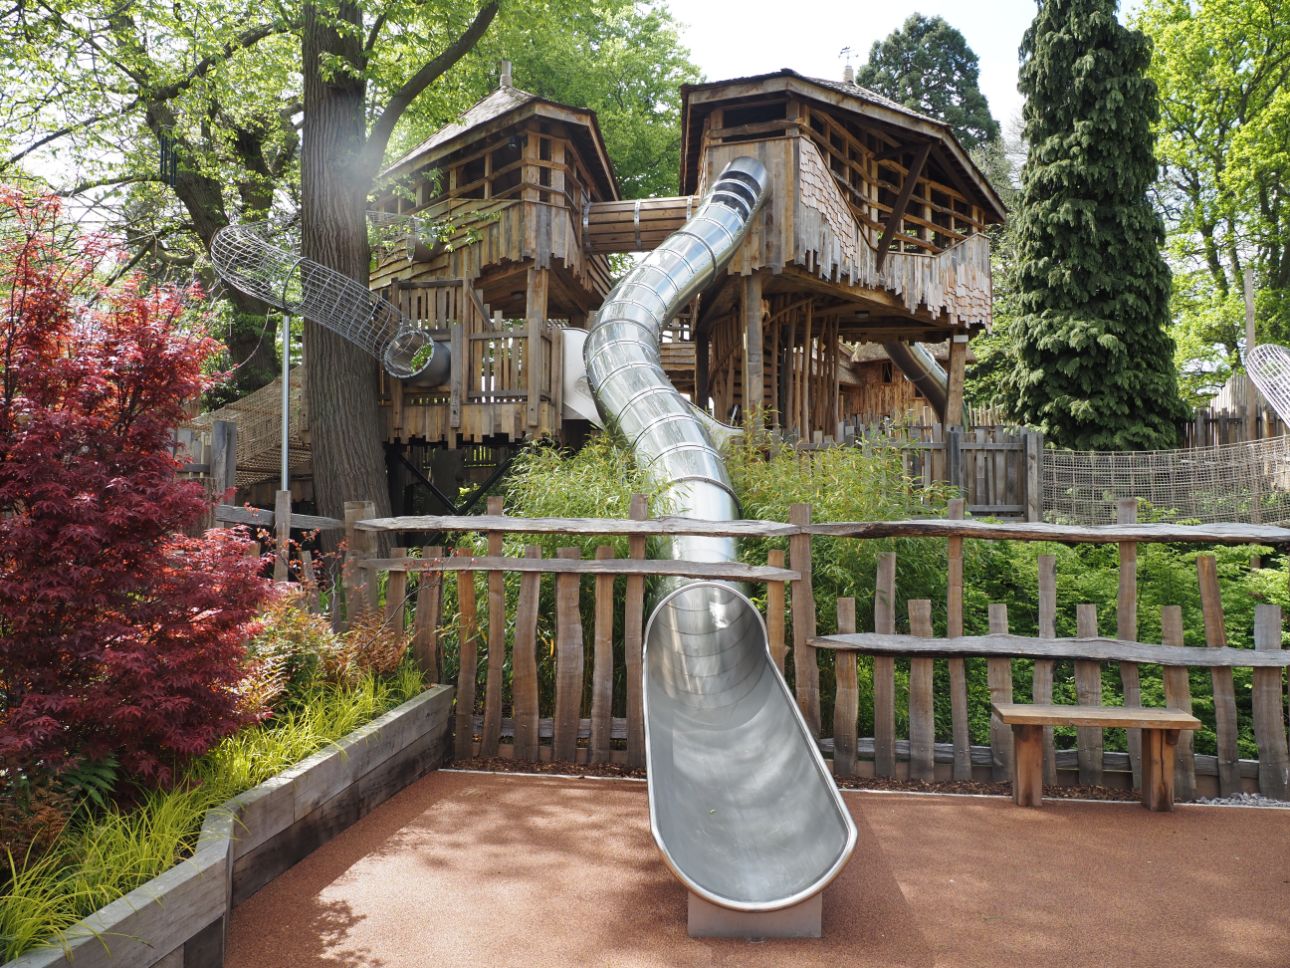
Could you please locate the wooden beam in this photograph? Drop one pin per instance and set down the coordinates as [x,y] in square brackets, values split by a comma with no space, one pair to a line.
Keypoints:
[902,201]
[535,309]
[953,417]
[754,367]
[727,570]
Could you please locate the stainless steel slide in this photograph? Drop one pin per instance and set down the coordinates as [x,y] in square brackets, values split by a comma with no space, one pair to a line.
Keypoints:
[742,805]
[923,372]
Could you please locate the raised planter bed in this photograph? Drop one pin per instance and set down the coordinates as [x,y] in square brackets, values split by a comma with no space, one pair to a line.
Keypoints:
[179,918]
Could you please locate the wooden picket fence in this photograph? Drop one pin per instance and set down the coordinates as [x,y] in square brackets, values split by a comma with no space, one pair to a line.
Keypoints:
[577,721]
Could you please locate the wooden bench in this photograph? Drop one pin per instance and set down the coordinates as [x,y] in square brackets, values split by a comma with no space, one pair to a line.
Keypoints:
[1160,728]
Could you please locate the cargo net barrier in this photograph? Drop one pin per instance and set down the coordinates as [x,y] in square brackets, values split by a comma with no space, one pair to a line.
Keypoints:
[1245,482]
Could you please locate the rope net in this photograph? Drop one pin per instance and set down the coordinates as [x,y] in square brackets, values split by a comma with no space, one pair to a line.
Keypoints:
[258,416]
[1242,482]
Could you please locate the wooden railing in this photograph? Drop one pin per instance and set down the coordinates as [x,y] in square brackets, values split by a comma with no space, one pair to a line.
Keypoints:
[592,670]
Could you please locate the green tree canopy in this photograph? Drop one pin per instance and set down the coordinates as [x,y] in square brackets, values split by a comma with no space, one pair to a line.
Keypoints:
[928,66]
[1223,71]
[1094,362]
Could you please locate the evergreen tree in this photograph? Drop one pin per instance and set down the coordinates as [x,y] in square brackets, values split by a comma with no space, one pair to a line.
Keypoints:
[1094,362]
[928,66]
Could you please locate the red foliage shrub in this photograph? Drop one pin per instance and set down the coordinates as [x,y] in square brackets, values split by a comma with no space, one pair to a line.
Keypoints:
[117,634]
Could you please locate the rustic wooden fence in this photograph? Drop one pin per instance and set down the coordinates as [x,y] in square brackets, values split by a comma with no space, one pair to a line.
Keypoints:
[497,645]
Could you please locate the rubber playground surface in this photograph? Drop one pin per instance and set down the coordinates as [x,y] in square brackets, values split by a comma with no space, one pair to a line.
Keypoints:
[465,869]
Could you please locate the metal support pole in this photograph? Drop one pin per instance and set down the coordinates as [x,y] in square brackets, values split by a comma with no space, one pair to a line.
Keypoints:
[286,400]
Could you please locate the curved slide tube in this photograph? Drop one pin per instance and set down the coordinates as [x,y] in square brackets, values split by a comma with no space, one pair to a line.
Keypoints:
[923,372]
[742,805]
[245,257]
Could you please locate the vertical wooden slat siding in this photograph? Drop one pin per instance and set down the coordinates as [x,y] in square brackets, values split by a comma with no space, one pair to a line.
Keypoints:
[846,701]
[1088,691]
[467,650]
[999,677]
[396,594]
[1042,679]
[806,670]
[1126,624]
[1269,711]
[775,611]
[1229,781]
[568,664]
[1178,696]
[922,718]
[425,620]
[602,668]
[884,670]
[958,667]
[524,674]
[282,529]
[491,733]
[633,633]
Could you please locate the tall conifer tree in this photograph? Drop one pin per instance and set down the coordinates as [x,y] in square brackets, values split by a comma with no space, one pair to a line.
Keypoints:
[1094,361]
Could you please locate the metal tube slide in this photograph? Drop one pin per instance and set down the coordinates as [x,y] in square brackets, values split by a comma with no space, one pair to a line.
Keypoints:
[245,258]
[923,371]
[742,805]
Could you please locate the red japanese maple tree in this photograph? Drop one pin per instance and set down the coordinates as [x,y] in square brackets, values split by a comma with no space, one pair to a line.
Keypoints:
[118,635]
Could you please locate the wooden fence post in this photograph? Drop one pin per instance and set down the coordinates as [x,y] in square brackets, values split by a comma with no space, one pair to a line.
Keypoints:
[524,674]
[884,669]
[954,459]
[468,661]
[1126,626]
[1269,711]
[958,667]
[491,733]
[633,642]
[602,663]
[223,462]
[999,677]
[396,594]
[775,612]
[806,670]
[359,584]
[282,535]
[1042,678]
[425,620]
[1088,690]
[1034,475]
[568,664]
[1178,696]
[846,700]
[922,716]
[1229,779]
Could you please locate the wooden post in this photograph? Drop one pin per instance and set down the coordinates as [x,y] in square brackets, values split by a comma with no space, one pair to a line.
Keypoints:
[535,310]
[805,668]
[954,459]
[524,674]
[1027,774]
[468,655]
[490,734]
[846,701]
[999,677]
[754,375]
[1042,678]
[1252,395]
[396,593]
[1211,603]
[223,462]
[425,621]
[958,666]
[633,642]
[1126,625]
[1088,690]
[1269,711]
[602,665]
[775,612]
[359,584]
[922,716]
[568,664]
[282,530]
[1178,696]
[309,581]
[884,669]
[1034,476]
[954,395]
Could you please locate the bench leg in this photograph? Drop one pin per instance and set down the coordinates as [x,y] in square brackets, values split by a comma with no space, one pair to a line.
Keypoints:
[1028,765]
[1158,747]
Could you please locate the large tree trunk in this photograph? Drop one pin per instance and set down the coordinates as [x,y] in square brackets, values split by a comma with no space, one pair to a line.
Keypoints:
[340,378]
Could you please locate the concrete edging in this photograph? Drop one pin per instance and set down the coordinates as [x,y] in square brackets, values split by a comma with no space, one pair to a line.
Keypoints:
[179,918]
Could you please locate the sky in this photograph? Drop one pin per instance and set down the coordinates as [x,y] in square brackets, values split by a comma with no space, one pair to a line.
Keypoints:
[759,36]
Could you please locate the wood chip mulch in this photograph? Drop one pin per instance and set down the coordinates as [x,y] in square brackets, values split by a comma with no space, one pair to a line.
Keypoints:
[979,788]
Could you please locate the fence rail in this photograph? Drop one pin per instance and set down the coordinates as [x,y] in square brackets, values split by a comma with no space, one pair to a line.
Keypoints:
[546,651]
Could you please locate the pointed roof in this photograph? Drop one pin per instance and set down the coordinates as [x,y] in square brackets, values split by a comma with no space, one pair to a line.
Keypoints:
[503,107]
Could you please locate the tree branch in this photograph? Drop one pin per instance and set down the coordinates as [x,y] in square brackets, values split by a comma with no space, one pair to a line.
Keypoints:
[244,41]
[418,82]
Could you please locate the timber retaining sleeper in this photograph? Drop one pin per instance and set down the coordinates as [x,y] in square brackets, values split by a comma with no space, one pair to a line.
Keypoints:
[179,918]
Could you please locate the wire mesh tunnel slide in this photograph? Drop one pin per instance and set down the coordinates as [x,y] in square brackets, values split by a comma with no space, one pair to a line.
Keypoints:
[247,258]
[742,805]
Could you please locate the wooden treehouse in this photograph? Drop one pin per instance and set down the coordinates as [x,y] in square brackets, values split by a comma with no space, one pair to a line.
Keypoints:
[873,232]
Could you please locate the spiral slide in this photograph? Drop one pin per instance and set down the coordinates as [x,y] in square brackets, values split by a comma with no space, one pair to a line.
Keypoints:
[741,803]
